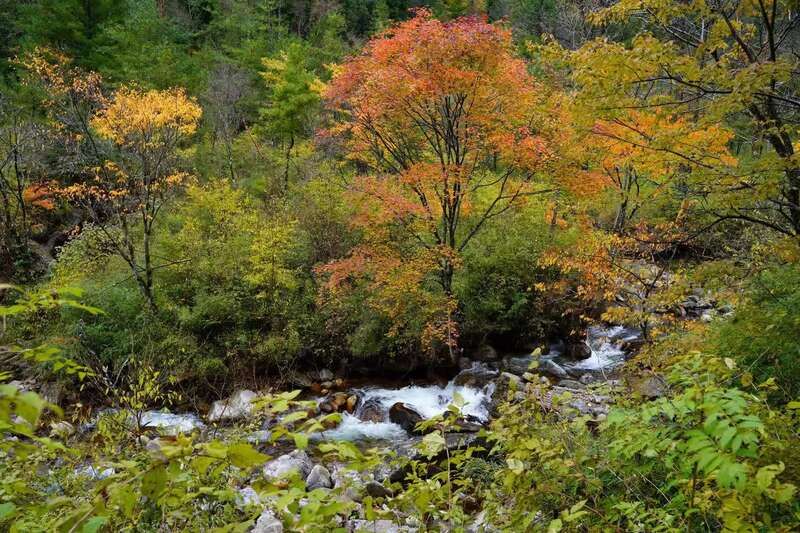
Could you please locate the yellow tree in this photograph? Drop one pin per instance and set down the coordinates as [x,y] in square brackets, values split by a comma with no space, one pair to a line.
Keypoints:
[640,155]
[712,63]
[142,131]
[124,151]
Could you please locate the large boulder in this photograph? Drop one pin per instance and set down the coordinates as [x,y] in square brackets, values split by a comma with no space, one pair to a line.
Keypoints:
[319,478]
[405,417]
[238,406]
[286,465]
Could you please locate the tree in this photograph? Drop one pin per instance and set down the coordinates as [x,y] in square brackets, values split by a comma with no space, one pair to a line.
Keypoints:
[447,122]
[228,87]
[124,152]
[634,155]
[22,185]
[294,98]
[145,129]
[712,61]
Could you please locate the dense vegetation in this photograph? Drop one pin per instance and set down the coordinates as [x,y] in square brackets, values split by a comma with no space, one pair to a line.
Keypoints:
[198,196]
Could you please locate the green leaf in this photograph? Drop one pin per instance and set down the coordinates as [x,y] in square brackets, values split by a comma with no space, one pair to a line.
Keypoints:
[515,465]
[555,526]
[7,510]
[245,456]
[300,440]
[432,444]
[294,417]
[30,406]
[94,524]
[154,481]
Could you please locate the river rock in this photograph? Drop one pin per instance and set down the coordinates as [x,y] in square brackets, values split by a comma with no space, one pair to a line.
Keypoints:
[477,376]
[323,375]
[551,368]
[377,490]
[651,387]
[94,472]
[571,384]
[578,350]
[349,480]
[468,424]
[169,423]
[283,467]
[504,383]
[267,523]
[352,403]
[62,429]
[371,411]
[239,405]
[339,401]
[518,365]
[405,417]
[153,447]
[374,526]
[247,496]
[260,436]
[319,478]
[631,345]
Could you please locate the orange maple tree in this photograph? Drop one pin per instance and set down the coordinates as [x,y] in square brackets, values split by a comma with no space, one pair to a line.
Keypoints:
[448,128]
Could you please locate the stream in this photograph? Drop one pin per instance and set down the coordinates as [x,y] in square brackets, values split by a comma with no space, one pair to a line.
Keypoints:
[370,420]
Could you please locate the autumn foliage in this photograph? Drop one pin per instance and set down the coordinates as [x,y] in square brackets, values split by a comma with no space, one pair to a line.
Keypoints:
[449,127]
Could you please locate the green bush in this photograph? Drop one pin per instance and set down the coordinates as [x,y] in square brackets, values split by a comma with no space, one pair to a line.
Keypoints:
[764,334]
[495,285]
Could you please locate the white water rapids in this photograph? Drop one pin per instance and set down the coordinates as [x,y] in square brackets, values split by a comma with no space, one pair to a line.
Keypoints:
[607,348]
[427,400]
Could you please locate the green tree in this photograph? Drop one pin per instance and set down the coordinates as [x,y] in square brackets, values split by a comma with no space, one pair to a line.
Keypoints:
[294,99]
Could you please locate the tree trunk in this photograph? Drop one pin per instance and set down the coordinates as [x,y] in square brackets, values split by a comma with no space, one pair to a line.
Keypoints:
[288,159]
[792,196]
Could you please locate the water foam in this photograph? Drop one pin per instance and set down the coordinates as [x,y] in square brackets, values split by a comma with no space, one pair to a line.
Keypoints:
[429,401]
[432,400]
[606,345]
[352,429]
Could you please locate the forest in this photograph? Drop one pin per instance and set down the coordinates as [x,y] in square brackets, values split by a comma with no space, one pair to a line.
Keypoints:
[399,266]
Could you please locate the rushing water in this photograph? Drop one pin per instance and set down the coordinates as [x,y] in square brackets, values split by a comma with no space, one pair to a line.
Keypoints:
[607,348]
[607,345]
[427,400]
